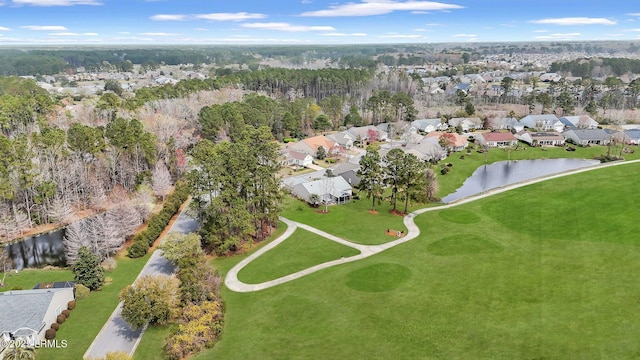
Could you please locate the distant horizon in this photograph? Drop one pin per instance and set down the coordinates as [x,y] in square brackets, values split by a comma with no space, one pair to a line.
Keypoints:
[313,22]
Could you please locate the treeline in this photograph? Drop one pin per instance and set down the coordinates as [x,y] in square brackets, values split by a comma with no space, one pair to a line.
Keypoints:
[597,67]
[316,84]
[47,173]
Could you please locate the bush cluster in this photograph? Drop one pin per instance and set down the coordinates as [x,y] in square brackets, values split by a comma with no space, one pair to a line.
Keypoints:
[50,334]
[82,292]
[145,239]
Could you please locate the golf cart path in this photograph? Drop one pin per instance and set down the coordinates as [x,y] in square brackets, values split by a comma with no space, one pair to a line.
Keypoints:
[233,283]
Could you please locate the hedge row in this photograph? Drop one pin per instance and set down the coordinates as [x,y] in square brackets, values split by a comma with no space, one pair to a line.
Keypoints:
[145,239]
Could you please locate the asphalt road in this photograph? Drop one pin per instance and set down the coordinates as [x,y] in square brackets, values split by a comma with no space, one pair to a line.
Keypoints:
[116,334]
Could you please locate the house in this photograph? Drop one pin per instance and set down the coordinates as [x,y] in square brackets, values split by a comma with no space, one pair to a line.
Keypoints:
[455,142]
[368,133]
[429,125]
[343,138]
[347,171]
[331,190]
[296,158]
[587,136]
[312,144]
[467,124]
[540,138]
[544,122]
[579,122]
[497,139]
[632,136]
[507,123]
[428,149]
[27,314]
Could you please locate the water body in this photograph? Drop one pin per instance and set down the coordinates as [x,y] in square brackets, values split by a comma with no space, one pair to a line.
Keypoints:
[504,173]
[38,250]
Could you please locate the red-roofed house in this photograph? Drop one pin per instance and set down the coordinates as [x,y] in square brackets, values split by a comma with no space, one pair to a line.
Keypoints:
[497,139]
[455,142]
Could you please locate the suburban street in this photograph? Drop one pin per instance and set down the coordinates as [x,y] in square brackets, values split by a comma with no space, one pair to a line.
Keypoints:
[117,335]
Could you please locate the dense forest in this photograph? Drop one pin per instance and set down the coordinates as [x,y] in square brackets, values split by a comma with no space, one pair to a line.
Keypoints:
[597,67]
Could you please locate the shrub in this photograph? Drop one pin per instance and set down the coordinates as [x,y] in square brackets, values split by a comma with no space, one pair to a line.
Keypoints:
[61,319]
[50,334]
[109,264]
[16,287]
[108,280]
[82,292]
[66,313]
[138,249]
[55,326]
[71,305]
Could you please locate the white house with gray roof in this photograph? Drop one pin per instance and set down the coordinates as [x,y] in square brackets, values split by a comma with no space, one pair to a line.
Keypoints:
[588,136]
[332,190]
[429,125]
[27,314]
[543,122]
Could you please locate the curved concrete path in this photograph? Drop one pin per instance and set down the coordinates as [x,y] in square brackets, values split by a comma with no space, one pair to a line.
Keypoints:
[233,283]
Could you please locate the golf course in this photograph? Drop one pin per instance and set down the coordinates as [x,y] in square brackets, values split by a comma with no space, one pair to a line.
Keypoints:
[544,271]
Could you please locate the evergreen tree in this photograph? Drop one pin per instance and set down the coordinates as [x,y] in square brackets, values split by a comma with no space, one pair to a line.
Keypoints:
[371,176]
[87,269]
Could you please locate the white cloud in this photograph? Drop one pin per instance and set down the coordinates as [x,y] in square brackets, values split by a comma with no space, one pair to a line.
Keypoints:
[401,36]
[44,28]
[2,28]
[434,24]
[633,14]
[239,16]
[379,7]
[613,35]
[287,27]
[156,34]
[169,17]
[56,2]
[558,36]
[420,12]
[540,31]
[343,34]
[74,34]
[464,35]
[632,30]
[569,21]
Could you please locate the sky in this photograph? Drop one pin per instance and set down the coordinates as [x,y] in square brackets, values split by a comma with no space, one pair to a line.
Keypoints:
[299,22]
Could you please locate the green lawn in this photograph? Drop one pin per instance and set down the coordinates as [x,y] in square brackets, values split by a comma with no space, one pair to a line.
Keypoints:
[548,271]
[351,221]
[300,251]
[90,314]
[152,344]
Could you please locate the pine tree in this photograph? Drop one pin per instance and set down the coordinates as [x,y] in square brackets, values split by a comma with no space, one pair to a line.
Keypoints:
[87,269]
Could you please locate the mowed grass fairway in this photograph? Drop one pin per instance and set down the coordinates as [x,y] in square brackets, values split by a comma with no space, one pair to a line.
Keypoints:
[302,250]
[545,271]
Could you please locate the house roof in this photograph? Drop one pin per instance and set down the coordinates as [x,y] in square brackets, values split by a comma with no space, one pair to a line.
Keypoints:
[498,136]
[588,134]
[578,121]
[25,308]
[546,136]
[459,139]
[421,124]
[341,137]
[633,134]
[295,154]
[335,186]
[316,141]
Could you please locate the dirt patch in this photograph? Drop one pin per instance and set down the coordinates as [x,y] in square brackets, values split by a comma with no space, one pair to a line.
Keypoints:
[394,233]
[322,212]
[397,212]
[374,212]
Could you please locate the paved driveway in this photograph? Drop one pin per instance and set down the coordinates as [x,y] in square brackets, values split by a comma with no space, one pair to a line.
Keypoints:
[116,334]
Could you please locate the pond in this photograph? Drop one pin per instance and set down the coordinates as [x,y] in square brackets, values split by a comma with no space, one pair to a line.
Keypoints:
[504,173]
[38,250]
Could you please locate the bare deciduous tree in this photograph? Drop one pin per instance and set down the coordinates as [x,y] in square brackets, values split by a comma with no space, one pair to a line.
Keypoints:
[73,240]
[60,211]
[161,180]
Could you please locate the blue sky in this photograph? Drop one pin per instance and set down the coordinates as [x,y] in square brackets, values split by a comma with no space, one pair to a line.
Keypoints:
[32,22]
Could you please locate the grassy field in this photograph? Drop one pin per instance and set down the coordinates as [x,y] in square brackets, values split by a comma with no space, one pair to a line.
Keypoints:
[90,314]
[548,271]
[351,221]
[300,251]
